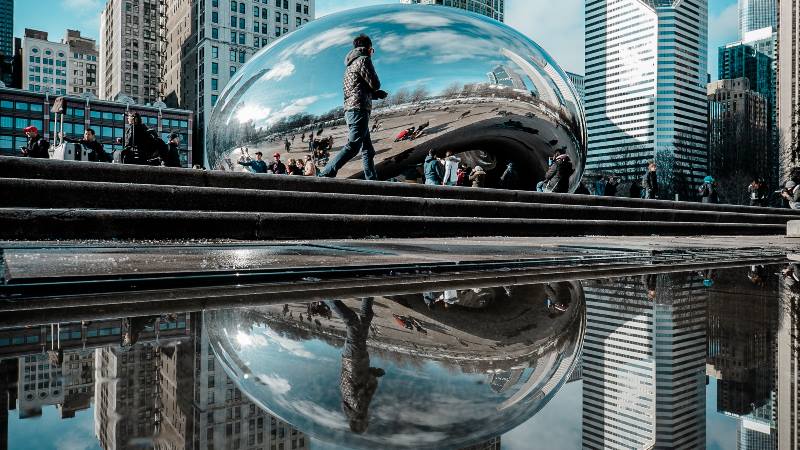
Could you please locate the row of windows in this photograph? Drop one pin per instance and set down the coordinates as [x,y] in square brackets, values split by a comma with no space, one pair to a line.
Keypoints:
[47,52]
[48,61]
[40,88]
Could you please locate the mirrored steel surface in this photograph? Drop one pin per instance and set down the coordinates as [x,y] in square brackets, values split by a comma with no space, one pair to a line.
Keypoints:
[428,370]
[474,86]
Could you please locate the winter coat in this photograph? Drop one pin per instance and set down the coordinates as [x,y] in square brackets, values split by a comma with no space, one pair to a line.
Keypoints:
[173,156]
[433,170]
[650,184]
[258,166]
[277,167]
[557,176]
[611,189]
[451,170]
[96,152]
[477,177]
[38,147]
[360,80]
[708,193]
[137,145]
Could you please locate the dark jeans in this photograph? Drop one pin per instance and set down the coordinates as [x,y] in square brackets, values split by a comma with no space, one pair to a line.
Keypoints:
[358,140]
[357,327]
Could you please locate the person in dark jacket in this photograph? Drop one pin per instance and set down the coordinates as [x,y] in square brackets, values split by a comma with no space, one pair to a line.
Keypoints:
[96,151]
[758,193]
[358,381]
[361,86]
[38,146]
[611,187]
[277,166]
[650,182]
[708,191]
[173,156]
[137,143]
[433,170]
[636,189]
[258,165]
[557,177]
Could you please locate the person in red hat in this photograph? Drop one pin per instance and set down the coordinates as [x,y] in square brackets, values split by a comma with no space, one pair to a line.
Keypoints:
[276,166]
[37,147]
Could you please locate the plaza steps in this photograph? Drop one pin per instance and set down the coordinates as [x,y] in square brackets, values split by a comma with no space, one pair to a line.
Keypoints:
[49,199]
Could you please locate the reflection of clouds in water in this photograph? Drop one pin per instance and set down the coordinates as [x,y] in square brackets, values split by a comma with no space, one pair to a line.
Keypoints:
[323,417]
[281,70]
[276,384]
[250,112]
[436,411]
[291,346]
[414,20]
[440,47]
[333,37]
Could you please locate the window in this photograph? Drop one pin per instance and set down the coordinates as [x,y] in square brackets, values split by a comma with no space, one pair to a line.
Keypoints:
[242,38]
[241,57]
[233,5]
[214,68]
[37,107]
[297,22]
[256,11]
[21,106]
[242,8]
[213,100]
[285,19]
[264,30]
[264,14]
[215,3]
[277,17]
[233,37]
[233,21]
[214,52]
[242,24]
[256,27]
[233,70]
[297,7]
[232,55]
[214,33]
[6,122]
[214,84]
[214,17]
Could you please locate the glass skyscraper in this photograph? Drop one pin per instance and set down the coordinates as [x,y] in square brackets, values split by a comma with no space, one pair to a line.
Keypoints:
[646,74]
[7,28]
[492,8]
[756,14]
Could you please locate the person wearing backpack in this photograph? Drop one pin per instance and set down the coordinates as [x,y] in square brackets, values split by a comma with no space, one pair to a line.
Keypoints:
[708,191]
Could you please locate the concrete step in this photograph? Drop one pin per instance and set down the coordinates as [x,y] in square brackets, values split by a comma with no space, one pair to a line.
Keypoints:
[26,193]
[57,224]
[29,168]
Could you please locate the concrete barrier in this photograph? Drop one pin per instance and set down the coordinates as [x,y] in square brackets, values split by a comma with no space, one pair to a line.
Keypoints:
[793,229]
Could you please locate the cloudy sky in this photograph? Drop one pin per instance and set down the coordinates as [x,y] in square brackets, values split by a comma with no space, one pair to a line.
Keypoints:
[559,30]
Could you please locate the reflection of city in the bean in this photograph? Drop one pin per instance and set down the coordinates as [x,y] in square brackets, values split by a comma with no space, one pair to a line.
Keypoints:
[653,361]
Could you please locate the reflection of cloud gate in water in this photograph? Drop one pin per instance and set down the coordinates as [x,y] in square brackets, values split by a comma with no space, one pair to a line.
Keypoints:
[486,92]
[433,370]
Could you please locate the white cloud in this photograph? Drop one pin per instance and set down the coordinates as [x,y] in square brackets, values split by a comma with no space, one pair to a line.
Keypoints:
[276,384]
[413,20]
[282,70]
[79,6]
[72,441]
[323,41]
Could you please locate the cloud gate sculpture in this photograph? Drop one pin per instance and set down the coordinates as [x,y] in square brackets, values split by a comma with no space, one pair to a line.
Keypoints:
[464,82]
[443,369]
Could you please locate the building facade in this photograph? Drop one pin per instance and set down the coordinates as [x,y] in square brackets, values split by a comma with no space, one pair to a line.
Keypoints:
[788,89]
[492,8]
[130,61]
[44,64]
[646,70]
[579,81]
[81,63]
[20,108]
[209,40]
[757,14]
[6,28]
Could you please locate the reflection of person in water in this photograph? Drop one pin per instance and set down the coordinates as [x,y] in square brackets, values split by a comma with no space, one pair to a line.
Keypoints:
[558,297]
[358,380]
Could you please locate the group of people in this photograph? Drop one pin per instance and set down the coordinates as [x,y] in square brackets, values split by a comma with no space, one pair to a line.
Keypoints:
[140,145]
[306,167]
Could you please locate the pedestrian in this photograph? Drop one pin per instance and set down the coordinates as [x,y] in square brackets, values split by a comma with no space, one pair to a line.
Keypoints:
[462,175]
[38,146]
[611,187]
[477,177]
[173,156]
[303,137]
[137,143]
[650,182]
[508,180]
[635,190]
[600,186]
[791,193]
[557,177]
[287,145]
[276,166]
[258,166]
[708,190]
[451,161]
[758,193]
[433,170]
[96,152]
[311,142]
[309,169]
[361,86]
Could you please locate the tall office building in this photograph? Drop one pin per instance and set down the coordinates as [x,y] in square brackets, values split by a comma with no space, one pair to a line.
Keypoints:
[579,81]
[207,41]
[492,8]
[81,64]
[644,363]
[44,63]
[788,90]
[646,74]
[130,61]
[756,14]
[6,28]
[788,365]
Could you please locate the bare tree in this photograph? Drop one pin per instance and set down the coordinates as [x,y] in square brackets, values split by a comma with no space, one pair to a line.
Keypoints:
[419,94]
[402,96]
[452,90]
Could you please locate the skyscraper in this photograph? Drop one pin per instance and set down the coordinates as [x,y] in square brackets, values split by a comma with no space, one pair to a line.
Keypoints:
[82,63]
[492,8]
[129,50]
[6,28]
[646,72]
[788,90]
[579,81]
[756,14]
[203,54]
[44,63]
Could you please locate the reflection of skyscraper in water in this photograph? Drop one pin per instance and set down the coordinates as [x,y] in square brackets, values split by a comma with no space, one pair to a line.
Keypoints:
[505,76]
[8,396]
[644,364]
[788,367]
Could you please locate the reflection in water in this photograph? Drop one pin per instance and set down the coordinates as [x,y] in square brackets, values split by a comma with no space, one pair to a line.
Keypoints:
[458,82]
[449,369]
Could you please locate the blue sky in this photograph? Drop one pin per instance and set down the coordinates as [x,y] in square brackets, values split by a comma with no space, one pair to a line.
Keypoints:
[558,30]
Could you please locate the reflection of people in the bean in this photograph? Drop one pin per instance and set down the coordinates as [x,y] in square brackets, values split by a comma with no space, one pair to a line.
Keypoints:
[559,297]
[358,381]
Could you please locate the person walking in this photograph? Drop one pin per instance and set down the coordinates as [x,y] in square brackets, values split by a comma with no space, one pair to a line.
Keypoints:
[650,182]
[96,152]
[450,169]
[600,186]
[38,146]
[136,148]
[708,190]
[287,145]
[361,85]
[173,156]
[276,166]
[557,177]
[258,166]
[433,170]
[477,177]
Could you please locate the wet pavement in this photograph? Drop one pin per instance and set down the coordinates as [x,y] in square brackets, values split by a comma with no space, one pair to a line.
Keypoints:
[679,350]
